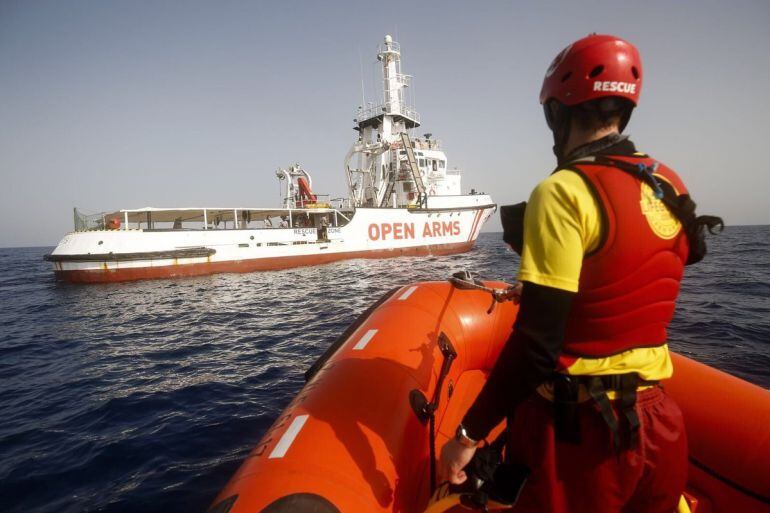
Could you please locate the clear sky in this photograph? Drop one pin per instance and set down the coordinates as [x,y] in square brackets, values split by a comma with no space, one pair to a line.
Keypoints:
[124,104]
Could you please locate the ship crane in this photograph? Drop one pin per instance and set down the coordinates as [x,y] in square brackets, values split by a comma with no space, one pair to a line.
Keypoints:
[298,192]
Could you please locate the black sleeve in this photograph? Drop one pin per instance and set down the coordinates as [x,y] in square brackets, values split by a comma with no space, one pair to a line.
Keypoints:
[512,219]
[527,360]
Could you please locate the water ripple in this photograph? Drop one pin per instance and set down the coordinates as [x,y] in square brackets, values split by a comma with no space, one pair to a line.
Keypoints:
[146,396]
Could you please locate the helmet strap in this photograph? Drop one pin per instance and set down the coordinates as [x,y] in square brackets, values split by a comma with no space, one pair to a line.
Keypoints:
[559,119]
[625,117]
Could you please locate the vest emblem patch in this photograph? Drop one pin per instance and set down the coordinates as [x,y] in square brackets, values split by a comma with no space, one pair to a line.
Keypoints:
[661,220]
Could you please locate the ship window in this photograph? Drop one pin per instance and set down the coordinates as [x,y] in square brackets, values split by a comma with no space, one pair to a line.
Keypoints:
[407,186]
[441,164]
[435,165]
[422,162]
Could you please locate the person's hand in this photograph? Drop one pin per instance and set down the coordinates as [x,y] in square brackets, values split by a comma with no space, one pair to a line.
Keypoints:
[454,457]
[514,293]
[510,294]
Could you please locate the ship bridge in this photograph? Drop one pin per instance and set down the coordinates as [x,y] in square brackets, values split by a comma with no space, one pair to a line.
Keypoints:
[373,116]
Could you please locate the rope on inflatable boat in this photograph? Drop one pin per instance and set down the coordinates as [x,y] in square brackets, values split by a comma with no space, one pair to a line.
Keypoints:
[466,281]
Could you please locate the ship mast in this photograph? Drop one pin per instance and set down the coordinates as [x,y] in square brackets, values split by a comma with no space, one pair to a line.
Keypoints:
[380,127]
[398,116]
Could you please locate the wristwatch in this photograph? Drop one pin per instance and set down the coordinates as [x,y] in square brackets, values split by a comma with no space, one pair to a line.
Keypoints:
[461,435]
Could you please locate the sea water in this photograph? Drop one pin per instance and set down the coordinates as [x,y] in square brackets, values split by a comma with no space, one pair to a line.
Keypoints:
[146,396]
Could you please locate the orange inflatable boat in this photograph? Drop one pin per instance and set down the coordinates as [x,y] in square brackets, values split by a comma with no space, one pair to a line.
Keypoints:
[358,437]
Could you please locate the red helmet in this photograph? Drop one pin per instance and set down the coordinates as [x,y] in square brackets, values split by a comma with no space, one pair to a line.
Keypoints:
[594,67]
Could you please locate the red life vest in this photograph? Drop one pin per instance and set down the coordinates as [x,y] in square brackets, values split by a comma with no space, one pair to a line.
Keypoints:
[628,286]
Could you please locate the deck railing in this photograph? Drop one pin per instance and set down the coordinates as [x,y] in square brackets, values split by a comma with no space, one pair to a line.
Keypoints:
[86,222]
[394,107]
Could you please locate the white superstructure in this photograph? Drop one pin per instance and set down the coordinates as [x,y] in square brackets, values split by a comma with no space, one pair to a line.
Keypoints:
[402,200]
[383,158]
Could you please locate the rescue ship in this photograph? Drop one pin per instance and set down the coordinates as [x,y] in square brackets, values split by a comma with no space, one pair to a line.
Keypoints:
[402,200]
[363,434]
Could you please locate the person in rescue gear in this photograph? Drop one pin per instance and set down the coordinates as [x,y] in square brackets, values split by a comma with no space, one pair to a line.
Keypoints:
[603,243]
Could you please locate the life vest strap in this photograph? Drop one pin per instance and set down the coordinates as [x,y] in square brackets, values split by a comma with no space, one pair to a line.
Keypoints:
[628,407]
[566,398]
[599,394]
